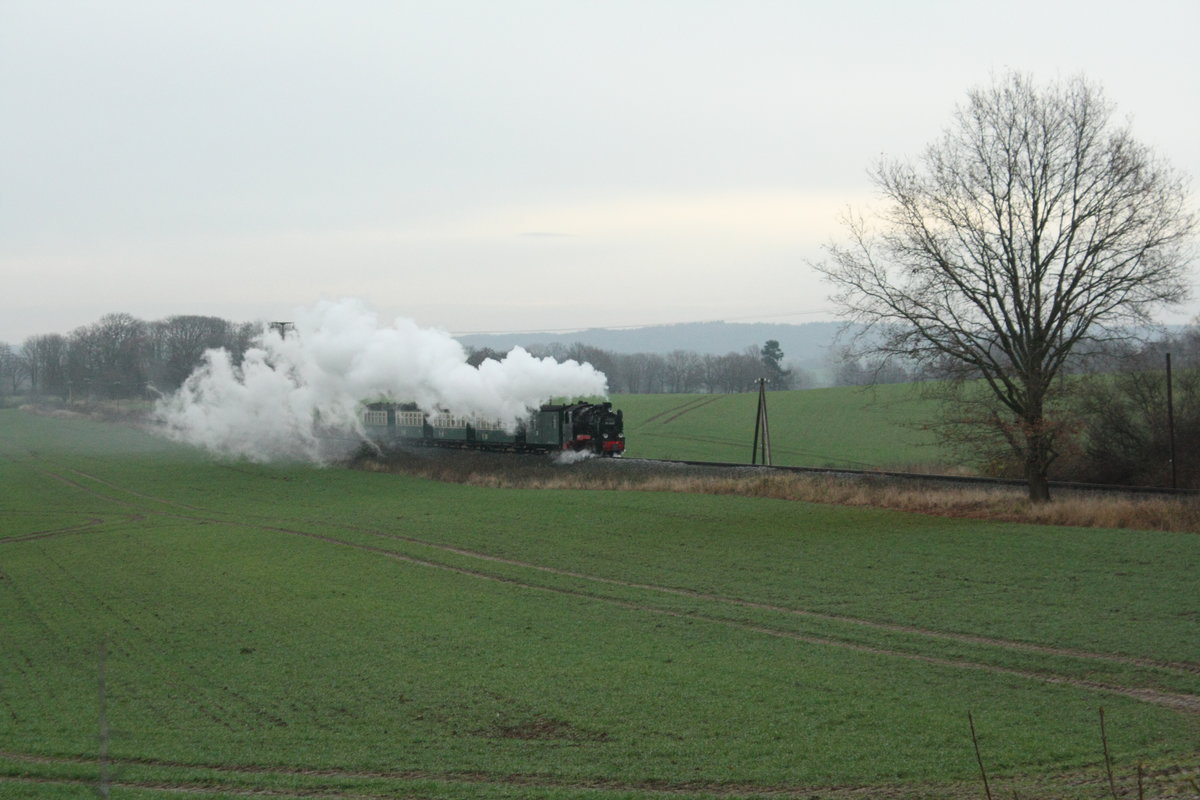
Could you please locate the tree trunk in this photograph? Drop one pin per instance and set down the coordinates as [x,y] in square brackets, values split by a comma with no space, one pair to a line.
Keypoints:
[1037,462]
[1039,486]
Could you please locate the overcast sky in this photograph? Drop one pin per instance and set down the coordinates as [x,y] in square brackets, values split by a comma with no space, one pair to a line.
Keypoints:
[501,164]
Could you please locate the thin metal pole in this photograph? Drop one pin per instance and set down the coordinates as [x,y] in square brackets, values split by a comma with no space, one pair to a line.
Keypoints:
[1171,421]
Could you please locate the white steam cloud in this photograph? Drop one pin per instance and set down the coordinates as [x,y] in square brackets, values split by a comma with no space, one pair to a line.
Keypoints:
[293,394]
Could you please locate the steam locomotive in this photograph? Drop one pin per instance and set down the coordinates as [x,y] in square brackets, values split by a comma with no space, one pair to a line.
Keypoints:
[579,427]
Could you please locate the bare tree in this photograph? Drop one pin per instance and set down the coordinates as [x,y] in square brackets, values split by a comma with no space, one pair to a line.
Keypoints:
[1035,227]
[601,360]
[178,343]
[684,371]
[712,373]
[108,357]
[643,373]
[12,370]
[734,372]
[45,357]
[7,367]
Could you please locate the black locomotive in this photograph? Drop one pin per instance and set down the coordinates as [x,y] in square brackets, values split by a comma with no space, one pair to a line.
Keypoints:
[579,427]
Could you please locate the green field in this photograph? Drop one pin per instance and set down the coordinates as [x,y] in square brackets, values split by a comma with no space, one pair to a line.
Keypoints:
[850,427]
[322,632]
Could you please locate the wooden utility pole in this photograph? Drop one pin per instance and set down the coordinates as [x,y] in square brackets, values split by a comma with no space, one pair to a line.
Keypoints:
[760,425]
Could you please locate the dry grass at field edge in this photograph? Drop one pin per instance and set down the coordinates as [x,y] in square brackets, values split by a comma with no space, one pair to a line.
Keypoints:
[1009,504]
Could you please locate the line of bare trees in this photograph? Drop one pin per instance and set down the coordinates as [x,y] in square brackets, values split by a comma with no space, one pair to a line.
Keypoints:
[119,356]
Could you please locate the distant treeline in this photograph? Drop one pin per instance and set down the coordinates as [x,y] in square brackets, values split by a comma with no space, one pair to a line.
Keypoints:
[120,356]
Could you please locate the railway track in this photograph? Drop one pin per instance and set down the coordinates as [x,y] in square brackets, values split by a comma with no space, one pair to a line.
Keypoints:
[924,477]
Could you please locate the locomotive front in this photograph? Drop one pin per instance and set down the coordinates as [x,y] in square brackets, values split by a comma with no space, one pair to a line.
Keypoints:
[598,428]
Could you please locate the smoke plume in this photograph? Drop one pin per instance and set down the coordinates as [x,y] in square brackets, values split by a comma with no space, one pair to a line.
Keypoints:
[294,394]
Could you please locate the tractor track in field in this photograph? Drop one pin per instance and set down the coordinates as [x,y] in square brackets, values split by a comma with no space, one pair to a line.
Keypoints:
[126,490]
[93,521]
[1177,701]
[210,788]
[654,787]
[1185,703]
[1005,644]
[86,489]
[680,410]
[1008,644]
[66,530]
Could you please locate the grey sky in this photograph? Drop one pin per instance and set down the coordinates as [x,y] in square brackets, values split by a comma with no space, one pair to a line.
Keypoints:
[499,165]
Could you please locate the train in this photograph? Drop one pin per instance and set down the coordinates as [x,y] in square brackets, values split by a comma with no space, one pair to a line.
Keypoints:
[574,427]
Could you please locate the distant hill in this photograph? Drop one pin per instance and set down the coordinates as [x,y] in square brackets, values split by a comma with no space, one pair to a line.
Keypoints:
[805,345]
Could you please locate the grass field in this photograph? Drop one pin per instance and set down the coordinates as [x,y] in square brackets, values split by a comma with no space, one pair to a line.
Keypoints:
[324,632]
[851,427]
